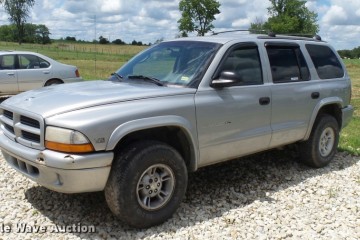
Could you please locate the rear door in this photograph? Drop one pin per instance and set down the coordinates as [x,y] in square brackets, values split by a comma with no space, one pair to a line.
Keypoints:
[294,95]
[8,75]
[33,72]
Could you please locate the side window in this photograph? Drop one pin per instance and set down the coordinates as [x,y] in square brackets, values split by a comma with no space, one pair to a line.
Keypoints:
[244,63]
[325,61]
[44,63]
[287,64]
[7,62]
[27,61]
[23,62]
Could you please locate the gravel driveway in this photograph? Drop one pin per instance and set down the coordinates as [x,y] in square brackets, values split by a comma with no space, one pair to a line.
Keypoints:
[266,196]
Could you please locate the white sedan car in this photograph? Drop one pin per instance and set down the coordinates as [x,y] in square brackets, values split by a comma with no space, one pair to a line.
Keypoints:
[22,71]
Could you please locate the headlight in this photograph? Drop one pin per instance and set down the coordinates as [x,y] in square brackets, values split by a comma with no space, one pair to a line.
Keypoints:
[66,140]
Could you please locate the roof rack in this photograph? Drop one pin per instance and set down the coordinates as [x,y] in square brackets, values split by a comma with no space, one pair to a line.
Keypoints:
[242,30]
[293,36]
[270,34]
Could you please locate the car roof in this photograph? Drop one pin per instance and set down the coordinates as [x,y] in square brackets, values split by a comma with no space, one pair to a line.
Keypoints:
[4,52]
[18,52]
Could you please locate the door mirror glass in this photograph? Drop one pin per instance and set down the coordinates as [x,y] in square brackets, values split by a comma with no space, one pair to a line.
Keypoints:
[227,78]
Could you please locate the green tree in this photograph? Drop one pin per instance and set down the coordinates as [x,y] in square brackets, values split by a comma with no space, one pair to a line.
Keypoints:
[103,40]
[42,34]
[257,26]
[197,16]
[18,11]
[118,42]
[29,35]
[290,17]
[72,39]
[7,33]
[32,33]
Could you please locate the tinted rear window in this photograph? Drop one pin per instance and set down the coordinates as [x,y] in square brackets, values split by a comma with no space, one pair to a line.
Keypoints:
[326,63]
[287,64]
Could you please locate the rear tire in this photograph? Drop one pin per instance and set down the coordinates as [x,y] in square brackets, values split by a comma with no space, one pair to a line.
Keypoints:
[146,184]
[320,148]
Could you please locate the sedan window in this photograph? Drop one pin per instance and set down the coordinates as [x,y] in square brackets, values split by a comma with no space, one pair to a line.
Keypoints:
[7,62]
[27,61]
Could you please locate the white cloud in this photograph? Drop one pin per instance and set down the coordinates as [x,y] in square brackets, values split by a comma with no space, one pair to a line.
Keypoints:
[110,6]
[336,15]
[340,23]
[47,4]
[147,21]
[241,23]
[239,14]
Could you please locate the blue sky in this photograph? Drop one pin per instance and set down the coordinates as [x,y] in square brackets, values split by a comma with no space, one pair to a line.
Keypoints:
[150,20]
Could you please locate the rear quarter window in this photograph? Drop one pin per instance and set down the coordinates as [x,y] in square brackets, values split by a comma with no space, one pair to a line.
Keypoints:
[325,61]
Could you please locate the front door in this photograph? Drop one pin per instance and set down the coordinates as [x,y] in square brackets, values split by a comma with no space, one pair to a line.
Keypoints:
[235,120]
[8,75]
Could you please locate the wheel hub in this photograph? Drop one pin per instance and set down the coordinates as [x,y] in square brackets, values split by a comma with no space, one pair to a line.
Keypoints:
[327,141]
[155,187]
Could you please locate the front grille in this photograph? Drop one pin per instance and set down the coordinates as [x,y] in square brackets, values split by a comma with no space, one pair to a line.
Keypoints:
[8,114]
[23,128]
[29,122]
[9,128]
[31,137]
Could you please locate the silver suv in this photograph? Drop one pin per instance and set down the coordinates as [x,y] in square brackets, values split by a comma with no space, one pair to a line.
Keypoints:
[21,71]
[176,107]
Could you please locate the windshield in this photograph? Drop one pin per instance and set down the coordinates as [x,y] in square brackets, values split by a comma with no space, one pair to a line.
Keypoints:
[173,63]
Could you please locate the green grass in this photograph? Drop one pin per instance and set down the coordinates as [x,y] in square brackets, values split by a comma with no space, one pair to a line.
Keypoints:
[350,136]
[109,58]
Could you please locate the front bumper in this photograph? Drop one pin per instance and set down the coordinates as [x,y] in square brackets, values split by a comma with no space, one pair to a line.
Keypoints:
[61,172]
[347,113]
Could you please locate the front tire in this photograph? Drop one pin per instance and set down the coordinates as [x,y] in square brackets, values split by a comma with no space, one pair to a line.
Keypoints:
[320,148]
[146,184]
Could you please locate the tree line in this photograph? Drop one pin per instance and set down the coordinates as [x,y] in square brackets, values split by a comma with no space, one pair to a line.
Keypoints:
[31,33]
[352,54]
[103,40]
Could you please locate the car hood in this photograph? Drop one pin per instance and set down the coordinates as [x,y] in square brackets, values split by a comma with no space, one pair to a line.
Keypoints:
[53,100]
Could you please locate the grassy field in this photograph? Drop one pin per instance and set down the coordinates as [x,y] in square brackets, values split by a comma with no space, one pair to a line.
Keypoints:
[110,57]
[94,61]
[350,136]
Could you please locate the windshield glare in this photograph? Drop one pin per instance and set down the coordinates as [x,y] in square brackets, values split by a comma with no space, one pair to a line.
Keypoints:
[179,62]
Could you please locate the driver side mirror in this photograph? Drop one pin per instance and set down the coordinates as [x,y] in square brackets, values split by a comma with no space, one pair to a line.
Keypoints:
[227,79]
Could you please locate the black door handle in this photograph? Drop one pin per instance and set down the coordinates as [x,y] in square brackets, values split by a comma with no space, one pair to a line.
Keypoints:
[315,95]
[264,101]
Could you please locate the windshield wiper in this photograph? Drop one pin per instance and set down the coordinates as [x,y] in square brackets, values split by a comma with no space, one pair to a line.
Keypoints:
[118,76]
[148,79]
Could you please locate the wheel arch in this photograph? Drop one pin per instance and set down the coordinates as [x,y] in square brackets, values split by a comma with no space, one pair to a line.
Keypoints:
[173,130]
[331,106]
[53,79]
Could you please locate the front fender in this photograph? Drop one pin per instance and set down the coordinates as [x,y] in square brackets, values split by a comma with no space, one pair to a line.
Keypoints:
[152,122]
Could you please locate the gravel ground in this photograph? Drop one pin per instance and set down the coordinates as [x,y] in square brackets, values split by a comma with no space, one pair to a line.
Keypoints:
[266,196]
